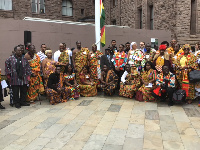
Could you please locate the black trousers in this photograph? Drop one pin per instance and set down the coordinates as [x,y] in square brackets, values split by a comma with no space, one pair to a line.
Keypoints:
[19,94]
[1,94]
[119,74]
[169,93]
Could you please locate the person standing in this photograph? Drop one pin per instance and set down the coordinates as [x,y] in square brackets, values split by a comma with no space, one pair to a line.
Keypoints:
[48,66]
[35,85]
[142,47]
[93,63]
[18,73]
[80,59]
[58,52]
[106,59]
[119,61]
[41,53]
[113,48]
[127,47]
[149,54]
[173,43]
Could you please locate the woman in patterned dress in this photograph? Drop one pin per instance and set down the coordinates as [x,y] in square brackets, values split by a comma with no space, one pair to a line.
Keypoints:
[70,83]
[35,83]
[148,77]
[108,81]
[130,82]
[87,86]
[48,66]
[186,62]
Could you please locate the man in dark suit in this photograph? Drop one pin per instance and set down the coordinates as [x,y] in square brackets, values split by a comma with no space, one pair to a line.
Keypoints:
[106,59]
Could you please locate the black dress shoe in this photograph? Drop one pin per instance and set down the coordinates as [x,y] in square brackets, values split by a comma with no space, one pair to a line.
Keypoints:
[11,105]
[1,107]
[17,105]
[25,104]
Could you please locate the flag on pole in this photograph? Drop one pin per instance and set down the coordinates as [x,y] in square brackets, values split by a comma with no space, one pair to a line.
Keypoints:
[102,24]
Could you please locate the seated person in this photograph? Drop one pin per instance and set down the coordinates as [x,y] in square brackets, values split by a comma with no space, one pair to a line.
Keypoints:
[166,85]
[148,79]
[130,82]
[70,83]
[55,89]
[87,86]
[108,81]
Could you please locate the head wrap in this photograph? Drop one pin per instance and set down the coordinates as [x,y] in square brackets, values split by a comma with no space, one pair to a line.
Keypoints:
[186,46]
[48,51]
[162,47]
[132,43]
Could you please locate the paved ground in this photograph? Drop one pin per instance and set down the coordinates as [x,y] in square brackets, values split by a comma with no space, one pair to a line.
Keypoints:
[100,123]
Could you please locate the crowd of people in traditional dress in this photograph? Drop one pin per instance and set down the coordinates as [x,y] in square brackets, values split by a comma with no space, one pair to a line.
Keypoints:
[125,71]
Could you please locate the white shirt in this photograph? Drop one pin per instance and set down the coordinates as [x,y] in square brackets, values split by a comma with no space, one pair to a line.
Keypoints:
[123,78]
[41,55]
[57,55]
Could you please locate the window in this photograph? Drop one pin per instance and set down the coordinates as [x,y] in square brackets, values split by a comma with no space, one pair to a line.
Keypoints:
[140,18]
[114,22]
[151,17]
[114,3]
[5,4]
[193,17]
[38,6]
[67,9]
[82,11]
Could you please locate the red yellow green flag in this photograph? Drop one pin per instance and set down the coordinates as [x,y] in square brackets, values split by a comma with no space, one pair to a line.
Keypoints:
[102,24]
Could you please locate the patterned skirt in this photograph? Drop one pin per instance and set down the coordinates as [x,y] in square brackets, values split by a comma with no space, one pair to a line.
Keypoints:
[88,90]
[109,90]
[146,91]
[35,87]
[72,92]
[127,90]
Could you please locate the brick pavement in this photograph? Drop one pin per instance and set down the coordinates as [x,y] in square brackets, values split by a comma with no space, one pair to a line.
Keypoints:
[100,123]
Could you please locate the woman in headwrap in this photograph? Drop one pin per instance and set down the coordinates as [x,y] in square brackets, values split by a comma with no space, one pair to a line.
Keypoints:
[48,66]
[162,58]
[186,62]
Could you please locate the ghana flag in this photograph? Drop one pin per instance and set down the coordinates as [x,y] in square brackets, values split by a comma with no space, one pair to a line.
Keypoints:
[102,24]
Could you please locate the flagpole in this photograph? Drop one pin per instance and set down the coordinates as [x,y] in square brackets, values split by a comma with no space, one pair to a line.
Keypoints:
[97,23]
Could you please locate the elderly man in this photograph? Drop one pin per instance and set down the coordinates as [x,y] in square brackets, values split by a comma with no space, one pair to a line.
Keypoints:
[18,72]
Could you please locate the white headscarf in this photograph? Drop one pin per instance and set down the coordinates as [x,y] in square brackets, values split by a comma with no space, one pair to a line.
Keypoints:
[132,43]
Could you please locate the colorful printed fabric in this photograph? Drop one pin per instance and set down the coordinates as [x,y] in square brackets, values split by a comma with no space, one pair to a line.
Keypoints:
[112,78]
[86,90]
[10,69]
[49,68]
[56,97]
[80,61]
[182,75]
[161,79]
[129,90]
[146,91]
[137,58]
[120,59]
[35,84]
[94,64]
[72,90]
[63,59]
[149,56]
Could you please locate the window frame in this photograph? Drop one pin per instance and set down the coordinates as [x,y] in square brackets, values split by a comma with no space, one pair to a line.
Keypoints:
[38,7]
[66,7]
[4,6]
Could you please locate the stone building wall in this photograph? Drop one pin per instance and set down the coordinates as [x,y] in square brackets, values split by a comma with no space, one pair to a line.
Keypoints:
[53,10]
[172,15]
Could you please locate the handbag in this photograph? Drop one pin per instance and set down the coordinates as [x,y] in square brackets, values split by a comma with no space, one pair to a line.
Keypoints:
[194,76]
[139,96]
[179,96]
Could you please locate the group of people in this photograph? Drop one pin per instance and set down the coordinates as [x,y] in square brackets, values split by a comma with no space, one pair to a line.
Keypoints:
[70,73]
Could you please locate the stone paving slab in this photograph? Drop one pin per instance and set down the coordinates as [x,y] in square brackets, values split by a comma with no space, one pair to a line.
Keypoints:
[100,123]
